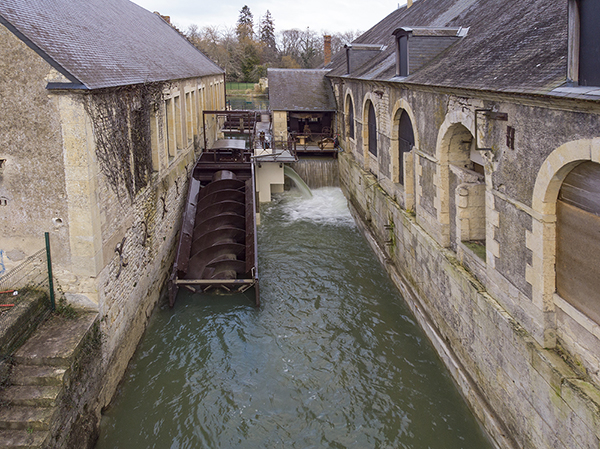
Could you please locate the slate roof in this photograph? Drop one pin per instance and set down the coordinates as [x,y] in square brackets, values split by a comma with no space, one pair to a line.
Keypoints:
[104,43]
[300,90]
[511,45]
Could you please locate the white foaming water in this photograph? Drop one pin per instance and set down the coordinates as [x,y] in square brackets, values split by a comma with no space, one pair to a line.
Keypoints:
[327,206]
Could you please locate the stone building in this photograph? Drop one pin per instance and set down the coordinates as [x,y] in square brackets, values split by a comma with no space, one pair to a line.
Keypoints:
[301,102]
[100,125]
[471,138]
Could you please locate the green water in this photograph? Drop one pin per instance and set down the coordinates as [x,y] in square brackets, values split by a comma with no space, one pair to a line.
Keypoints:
[332,359]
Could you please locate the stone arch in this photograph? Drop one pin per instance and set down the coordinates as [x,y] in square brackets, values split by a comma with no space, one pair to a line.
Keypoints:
[401,106]
[349,114]
[455,167]
[368,101]
[541,274]
[453,118]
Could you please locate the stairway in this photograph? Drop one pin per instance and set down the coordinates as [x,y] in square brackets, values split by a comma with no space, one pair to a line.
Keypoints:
[30,405]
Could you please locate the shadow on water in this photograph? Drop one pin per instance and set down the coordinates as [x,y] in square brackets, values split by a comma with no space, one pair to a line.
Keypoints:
[333,358]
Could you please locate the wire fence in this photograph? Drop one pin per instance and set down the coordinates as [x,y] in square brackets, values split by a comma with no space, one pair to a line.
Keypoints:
[28,278]
[239,86]
[29,281]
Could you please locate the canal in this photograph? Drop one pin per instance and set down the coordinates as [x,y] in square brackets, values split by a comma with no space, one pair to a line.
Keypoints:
[332,359]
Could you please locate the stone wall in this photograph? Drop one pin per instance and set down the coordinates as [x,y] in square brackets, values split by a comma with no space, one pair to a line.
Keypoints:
[473,245]
[113,244]
[525,396]
[32,180]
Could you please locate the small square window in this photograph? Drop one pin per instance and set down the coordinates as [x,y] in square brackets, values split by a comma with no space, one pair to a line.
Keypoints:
[510,137]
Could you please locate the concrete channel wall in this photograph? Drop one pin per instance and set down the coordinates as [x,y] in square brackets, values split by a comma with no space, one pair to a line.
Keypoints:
[524,395]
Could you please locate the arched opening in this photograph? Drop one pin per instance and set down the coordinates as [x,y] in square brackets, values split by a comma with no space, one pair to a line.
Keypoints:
[406,142]
[349,117]
[372,129]
[578,239]
[466,191]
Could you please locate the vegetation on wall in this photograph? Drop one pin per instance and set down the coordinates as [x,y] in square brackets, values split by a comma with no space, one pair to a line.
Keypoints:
[121,124]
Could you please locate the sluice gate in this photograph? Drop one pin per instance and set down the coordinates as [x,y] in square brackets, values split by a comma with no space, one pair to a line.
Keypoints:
[318,172]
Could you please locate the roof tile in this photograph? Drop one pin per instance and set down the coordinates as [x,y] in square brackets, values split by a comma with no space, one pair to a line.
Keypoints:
[105,43]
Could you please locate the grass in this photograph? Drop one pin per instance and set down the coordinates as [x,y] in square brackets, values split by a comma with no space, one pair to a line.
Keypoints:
[477,246]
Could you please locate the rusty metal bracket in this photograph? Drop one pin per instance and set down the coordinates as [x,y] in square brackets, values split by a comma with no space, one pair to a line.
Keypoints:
[164,201]
[492,115]
[145,234]
[119,250]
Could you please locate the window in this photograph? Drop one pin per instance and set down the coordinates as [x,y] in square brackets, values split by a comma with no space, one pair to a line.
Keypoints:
[589,43]
[584,43]
[154,142]
[350,117]
[169,119]
[578,239]
[402,61]
[189,117]
[372,127]
[178,129]
[406,141]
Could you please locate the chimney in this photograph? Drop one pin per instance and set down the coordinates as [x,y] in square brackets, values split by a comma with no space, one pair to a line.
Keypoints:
[327,49]
[408,3]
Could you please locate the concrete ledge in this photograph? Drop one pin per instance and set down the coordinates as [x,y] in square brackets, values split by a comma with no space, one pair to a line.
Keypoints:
[57,341]
[21,320]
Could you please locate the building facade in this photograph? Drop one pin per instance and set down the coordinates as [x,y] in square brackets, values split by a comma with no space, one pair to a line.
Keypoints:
[100,126]
[471,138]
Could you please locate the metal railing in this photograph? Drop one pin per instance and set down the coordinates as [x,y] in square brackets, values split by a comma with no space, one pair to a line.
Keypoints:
[31,277]
[313,141]
[239,86]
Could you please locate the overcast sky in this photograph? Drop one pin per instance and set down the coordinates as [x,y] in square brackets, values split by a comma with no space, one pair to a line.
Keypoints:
[320,15]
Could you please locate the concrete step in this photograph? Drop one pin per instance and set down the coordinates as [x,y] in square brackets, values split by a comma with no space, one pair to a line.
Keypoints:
[26,418]
[37,375]
[55,342]
[22,439]
[31,395]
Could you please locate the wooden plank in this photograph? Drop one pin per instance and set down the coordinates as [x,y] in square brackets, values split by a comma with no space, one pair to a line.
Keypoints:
[187,228]
[581,187]
[214,281]
[578,258]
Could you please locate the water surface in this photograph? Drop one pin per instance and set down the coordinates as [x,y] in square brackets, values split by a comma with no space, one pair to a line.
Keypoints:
[332,359]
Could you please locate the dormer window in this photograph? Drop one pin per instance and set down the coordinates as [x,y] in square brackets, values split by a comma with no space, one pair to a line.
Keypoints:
[584,42]
[417,46]
[402,35]
[358,54]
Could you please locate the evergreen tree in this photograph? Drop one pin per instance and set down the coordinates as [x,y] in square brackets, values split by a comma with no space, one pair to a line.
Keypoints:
[267,31]
[245,24]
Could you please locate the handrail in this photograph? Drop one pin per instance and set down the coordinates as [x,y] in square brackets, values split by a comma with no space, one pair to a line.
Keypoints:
[312,139]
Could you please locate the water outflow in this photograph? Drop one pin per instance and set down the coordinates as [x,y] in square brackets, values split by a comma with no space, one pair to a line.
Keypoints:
[332,359]
[297,180]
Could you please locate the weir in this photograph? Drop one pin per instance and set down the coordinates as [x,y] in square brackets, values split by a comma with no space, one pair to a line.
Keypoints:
[298,181]
[318,172]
